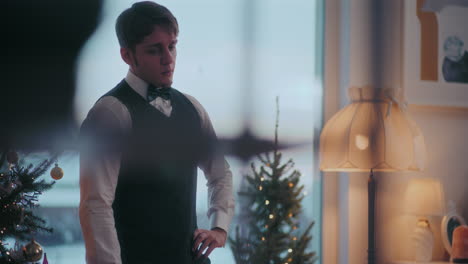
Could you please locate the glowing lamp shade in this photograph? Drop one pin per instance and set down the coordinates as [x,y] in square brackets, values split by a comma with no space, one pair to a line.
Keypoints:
[424,197]
[372,132]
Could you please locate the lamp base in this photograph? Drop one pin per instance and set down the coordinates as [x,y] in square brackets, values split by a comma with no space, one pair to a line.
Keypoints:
[371,253]
[423,241]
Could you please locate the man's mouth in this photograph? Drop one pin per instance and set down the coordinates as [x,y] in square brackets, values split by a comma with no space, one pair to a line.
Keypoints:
[167,73]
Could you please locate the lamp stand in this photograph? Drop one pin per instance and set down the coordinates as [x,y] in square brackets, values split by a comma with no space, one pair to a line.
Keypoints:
[371,208]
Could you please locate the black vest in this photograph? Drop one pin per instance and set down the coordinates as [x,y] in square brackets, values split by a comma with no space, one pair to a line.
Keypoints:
[155,198]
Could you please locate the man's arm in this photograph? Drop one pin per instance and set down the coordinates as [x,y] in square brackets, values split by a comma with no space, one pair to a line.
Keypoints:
[220,192]
[99,169]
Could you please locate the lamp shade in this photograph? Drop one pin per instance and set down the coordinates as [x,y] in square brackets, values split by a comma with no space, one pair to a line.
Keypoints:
[373,132]
[424,197]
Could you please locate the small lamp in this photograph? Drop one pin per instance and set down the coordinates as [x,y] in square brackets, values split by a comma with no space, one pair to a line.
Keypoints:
[373,133]
[424,198]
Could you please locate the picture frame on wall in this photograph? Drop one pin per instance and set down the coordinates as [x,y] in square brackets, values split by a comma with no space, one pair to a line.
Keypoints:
[435,52]
[449,222]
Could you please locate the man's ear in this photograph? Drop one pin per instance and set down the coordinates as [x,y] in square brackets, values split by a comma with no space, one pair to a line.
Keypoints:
[127,56]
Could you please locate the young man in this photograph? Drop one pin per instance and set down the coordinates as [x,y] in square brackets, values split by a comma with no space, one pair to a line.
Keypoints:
[144,143]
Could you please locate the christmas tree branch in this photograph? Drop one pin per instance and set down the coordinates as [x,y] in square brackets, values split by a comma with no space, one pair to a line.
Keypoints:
[277,124]
[3,158]
[271,213]
[19,191]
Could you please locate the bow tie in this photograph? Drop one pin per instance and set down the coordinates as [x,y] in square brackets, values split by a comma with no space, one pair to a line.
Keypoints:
[154,92]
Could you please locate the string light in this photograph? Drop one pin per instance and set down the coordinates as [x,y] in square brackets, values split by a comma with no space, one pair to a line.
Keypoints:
[290,259]
[290,215]
[294,227]
[291,185]
[271,216]
[266,226]
[290,250]
[267,202]
[263,238]
[260,188]
[262,179]
[294,238]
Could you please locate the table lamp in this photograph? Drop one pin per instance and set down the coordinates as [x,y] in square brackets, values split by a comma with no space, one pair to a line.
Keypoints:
[372,133]
[424,198]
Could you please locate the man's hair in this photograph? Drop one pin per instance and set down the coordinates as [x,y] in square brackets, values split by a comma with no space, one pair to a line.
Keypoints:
[138,21]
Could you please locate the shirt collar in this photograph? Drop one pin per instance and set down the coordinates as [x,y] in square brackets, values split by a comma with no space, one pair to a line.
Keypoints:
[137,84]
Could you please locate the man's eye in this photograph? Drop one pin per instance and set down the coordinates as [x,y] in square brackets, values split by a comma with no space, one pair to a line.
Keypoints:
[172,47]
[153,51]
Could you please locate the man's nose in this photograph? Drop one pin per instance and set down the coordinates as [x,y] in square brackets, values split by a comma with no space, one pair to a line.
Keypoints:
[167,58]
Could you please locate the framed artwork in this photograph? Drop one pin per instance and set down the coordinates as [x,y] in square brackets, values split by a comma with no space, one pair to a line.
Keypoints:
[448,225]
[435,52]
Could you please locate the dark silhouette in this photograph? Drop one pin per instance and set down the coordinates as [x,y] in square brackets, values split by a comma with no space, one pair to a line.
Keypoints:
[41,41]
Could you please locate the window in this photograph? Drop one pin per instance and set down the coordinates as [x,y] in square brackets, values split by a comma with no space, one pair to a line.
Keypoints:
[232,55]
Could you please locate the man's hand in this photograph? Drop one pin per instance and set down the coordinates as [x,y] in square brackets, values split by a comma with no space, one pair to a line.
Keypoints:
[209,240]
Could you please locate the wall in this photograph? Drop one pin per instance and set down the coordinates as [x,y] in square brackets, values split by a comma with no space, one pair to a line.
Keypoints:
[445,130]
[359,59]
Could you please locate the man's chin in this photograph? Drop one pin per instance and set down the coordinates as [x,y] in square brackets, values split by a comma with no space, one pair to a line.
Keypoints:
[164,84]
[168,84]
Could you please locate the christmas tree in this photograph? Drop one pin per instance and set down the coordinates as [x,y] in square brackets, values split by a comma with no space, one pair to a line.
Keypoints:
[269,220]
[19,190]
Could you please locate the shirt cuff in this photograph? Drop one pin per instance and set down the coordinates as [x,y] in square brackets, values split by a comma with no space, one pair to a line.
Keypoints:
[220,219]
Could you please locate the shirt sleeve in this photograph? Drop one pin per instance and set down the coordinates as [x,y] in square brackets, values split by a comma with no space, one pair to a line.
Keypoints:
[99,169]
[219,177]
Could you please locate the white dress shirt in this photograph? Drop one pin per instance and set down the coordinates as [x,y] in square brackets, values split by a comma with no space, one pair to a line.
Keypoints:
[99,176]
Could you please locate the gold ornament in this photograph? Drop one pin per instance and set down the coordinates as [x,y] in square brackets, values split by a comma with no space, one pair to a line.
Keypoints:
[57,172]
[12,157]
[32,251]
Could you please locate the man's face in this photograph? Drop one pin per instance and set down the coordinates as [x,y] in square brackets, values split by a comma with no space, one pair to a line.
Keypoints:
[153,60]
